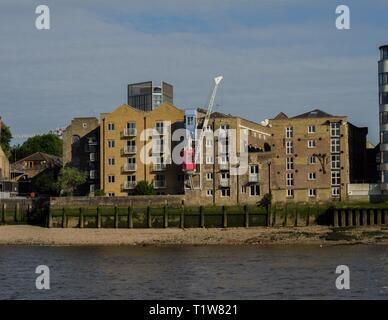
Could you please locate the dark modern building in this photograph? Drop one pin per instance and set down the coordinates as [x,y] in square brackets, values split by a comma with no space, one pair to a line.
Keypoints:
[383,113]
[147,96]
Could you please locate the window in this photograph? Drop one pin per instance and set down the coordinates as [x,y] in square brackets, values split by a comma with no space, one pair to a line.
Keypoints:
[384,117]
[311,144]
[190,121]
[335,191]
[289,147]
[312,160]
[131,125]
[290,193]
[254,169]
[209,192]
[290,163]
[311,129]
[290,179]
[111,179]
[209,176]
[383,98]
[160,127]
[383,79]
[92,188]
[335,178]
[209,142]
[335,145]
[225,175]
[111,194]
[209,160]
[335,161]
[289,132]
[384,53]
[312,192]
[111,144]
[255,190]
[243,189]
[335,129]
[111,126]
[84,125]
[225,192]
[224,126]
[312,176]
[384,137]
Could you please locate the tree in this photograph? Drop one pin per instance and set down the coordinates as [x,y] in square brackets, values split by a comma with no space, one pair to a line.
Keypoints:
[5,139]
[144,188]
[265,201]
[69,179]
[46,183]
[48,143]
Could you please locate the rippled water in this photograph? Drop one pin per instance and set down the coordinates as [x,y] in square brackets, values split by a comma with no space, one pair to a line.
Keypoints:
[200,272]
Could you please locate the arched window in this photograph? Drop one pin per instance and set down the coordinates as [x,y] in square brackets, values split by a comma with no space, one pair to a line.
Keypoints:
[267,147]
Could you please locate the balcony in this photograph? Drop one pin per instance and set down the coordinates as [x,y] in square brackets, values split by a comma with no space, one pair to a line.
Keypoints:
[253,177]
[128,150]
[224,166]
[160,184]
[129,132]
[224,183]
[129,185]
[92,157]
[129,167]
[159,167]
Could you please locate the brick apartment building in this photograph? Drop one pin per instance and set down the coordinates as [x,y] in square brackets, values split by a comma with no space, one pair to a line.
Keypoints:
[316,156]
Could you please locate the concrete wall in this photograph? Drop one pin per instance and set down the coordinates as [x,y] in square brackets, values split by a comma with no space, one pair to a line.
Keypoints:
[139,201]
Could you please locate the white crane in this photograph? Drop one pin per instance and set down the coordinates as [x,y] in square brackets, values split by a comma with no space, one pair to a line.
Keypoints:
[198,146]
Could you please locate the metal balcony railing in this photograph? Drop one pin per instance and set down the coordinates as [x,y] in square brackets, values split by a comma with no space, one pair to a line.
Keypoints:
[128,167]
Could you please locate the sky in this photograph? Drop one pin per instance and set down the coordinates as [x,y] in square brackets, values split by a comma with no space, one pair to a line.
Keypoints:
[275,56]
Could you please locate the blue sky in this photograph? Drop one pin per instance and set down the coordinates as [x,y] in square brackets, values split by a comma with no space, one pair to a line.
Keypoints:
[274,55]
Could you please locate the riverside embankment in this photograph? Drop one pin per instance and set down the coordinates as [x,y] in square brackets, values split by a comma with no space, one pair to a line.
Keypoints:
[314,235]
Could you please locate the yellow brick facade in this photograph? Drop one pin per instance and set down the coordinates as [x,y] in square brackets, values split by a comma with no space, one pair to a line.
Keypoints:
[121,140]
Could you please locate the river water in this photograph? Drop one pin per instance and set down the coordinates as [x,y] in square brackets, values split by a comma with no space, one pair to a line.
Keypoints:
[194,272]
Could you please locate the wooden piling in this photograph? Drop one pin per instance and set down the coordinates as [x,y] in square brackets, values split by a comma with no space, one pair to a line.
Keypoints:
[183,217]
[98,218]
[343,217]
[81,219]
[165,216]
[379,217]
[364,217]
[246,216]
[296,215]
[357,216]
[335,218]
[130,218]
[64,222]
[149,222]
[224,217]
[116,218]
[202,216]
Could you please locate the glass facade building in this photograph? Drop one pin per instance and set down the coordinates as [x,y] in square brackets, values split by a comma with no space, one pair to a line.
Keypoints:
[147,96]
[383,117]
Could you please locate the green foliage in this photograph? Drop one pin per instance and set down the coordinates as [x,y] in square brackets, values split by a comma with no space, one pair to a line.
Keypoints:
[69,179]
[265,201]
[99,193]
[5,139]
[46,183]
[48,143]
[144,188]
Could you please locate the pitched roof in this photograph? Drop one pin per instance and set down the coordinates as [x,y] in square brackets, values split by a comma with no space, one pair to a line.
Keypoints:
[316,113]
[41,156]
[280,116]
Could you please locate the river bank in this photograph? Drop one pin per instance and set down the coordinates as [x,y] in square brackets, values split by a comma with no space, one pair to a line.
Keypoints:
[316,235]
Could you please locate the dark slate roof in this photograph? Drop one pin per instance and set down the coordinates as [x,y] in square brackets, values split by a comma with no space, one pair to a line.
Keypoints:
[41,156]
[313,114]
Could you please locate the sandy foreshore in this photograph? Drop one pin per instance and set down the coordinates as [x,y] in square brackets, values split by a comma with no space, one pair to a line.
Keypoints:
[317,235]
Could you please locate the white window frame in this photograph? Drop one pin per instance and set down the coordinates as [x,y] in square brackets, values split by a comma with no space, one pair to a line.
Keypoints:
[335,161]
[312,193]
[289,132]
[290,193]
[311,144]
[336,178]
[335,129]
[309,160]
[290,179]
[335,145]
[209,176]
[290,163]
[311,128]
[209,192]
[289,147]
[256,190]
[312,176]
[225,193]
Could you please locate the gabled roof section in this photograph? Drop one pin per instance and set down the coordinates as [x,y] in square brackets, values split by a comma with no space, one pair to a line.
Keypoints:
[281,116]
[316,113]
[41,156]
